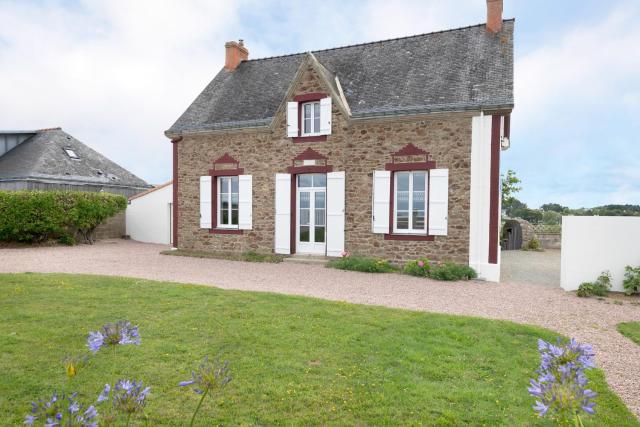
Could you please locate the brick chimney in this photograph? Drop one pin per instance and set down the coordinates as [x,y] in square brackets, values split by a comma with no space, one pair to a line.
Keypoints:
[494,16]
[235,53]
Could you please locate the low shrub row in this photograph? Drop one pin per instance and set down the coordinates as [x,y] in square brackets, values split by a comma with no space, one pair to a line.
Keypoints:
[421,267]
[448,271]
[364,264]
[602,285]
[39,216]
[452,272]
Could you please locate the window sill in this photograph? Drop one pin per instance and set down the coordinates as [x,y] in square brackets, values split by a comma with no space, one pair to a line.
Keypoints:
[225,231]
[409,237]
[313,138]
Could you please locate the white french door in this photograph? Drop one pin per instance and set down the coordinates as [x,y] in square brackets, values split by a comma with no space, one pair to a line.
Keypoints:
[311,225]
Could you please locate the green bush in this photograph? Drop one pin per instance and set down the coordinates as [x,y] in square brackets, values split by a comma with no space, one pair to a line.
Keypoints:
[89,210]
[38,216]
[419,267]
[631,282]
[364,264]
[67,239]
[450,271]
[533,245]
[600,287]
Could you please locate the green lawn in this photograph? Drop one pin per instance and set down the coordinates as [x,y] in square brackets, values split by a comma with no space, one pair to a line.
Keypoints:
[295,361]
[630,330]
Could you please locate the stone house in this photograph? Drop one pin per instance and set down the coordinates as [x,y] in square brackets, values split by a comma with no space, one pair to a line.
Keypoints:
[388,149]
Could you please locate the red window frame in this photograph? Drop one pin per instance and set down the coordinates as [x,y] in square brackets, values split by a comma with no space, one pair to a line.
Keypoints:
[394,167]
[301,99]
[215,174]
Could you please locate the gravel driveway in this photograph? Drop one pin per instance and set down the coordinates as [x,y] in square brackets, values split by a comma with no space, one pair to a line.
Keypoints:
[531,267]
[588,320]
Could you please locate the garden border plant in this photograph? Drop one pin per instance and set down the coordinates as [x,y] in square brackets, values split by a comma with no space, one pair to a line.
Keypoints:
[41,216]
[361,263]
[631,282]
[421,267]
[445,271]
[600,287]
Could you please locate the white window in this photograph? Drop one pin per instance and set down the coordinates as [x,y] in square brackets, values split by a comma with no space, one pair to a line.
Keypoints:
[72,154]
[409,205]
[228,198]
[310,118]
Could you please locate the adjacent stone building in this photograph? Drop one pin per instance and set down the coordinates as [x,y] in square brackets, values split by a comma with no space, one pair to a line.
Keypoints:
[387,149]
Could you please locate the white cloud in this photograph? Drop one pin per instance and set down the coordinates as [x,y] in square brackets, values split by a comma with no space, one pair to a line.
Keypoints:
[114,74]
[587,65]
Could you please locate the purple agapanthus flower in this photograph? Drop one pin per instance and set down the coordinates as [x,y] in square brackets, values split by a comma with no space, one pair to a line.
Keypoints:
[61,411]
[104,395]
[210,375]
[119,333]
[561,387]
[127,396]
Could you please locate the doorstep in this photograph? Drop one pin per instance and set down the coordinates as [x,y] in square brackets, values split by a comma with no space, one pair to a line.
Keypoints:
[307,259]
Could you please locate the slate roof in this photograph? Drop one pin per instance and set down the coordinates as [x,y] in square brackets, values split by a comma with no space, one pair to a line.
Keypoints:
[454,70]
[42,157]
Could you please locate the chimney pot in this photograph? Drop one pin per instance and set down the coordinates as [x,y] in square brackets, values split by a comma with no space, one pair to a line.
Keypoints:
[235,53]
[494,16]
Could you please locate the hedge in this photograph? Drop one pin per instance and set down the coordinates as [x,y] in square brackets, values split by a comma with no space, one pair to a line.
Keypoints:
[38,216]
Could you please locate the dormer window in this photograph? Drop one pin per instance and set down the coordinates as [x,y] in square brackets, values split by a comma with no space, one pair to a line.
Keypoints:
[72,154]
[311,118]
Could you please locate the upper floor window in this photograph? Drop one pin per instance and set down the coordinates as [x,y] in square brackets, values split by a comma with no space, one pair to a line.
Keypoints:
[228,193]
[311,118]
[410,202]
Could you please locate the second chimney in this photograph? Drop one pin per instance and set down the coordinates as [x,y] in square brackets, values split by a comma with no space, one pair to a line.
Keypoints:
[494,16]
[235,53]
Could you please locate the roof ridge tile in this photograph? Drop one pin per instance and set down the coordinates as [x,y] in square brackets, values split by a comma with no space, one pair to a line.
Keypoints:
[373,42]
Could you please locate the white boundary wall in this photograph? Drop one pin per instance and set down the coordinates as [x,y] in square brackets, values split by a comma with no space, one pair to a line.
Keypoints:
[149,216]
[592,244]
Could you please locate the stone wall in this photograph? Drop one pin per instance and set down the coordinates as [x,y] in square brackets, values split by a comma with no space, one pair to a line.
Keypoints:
[358,147]
[550,240]
[112,228]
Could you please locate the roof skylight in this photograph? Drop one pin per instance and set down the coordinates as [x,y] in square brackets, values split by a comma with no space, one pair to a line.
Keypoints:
[72,154]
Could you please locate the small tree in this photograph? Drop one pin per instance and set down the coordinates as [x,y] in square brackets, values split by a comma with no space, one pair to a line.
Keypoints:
[509,188]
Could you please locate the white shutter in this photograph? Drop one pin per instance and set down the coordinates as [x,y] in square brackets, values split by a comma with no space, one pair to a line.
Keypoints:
[438,201]
[292,119]
[381,201]
[325,116]
[335,213]
[283,214]
[245,202]
[205,202]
